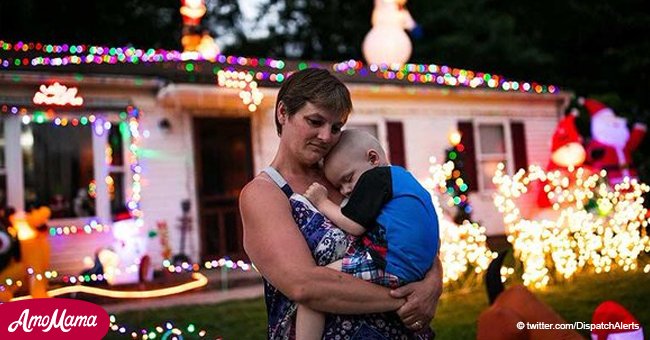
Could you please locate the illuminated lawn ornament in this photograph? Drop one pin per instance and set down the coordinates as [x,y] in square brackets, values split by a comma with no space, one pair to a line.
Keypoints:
[57,94]
[199,280]
[463,249]
[590,224]
[249,93]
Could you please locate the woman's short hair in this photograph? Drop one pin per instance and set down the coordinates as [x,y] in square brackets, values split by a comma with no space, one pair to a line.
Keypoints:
[316,86]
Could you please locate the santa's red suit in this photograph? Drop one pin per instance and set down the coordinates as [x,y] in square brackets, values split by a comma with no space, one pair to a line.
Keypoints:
[612,142]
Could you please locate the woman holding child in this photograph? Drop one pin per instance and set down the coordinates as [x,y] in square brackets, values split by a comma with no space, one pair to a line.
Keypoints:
[290,241]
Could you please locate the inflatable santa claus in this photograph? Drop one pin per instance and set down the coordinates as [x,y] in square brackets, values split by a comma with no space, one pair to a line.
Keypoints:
[612,142]
[612,321]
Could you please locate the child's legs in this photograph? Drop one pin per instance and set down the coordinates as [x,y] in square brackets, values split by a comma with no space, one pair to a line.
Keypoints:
[310,323]
[336,265]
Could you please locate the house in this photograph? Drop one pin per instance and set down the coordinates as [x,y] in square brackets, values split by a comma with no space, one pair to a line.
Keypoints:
[152,132]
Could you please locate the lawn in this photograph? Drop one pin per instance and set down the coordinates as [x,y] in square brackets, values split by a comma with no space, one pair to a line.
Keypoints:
[574,300]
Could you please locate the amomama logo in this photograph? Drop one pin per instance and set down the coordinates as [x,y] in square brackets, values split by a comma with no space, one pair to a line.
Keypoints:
[52,319]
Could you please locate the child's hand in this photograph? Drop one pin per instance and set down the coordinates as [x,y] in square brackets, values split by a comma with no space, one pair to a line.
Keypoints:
[316,194]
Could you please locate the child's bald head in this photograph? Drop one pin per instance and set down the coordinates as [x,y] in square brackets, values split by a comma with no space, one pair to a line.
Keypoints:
[354,144]
[356,152]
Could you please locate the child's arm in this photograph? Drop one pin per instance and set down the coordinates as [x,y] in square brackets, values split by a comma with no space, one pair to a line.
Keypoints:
[317,194]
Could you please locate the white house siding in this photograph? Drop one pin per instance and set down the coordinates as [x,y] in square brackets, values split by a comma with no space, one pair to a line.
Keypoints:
[172,178]
[427,114]
[167,174]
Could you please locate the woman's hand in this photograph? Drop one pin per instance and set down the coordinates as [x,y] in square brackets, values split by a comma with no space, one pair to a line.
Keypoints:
[421,298]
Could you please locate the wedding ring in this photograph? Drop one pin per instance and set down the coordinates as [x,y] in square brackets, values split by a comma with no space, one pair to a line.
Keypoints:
[417,325]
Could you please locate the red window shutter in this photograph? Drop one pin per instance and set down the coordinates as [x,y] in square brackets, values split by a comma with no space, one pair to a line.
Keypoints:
[395,132]
[519,145]
[466,130]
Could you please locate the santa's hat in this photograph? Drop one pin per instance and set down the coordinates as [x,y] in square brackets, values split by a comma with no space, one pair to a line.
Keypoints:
[612,321]
[565,133]
[594,107]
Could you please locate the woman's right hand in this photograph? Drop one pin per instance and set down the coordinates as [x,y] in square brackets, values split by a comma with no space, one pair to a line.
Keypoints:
[421,298]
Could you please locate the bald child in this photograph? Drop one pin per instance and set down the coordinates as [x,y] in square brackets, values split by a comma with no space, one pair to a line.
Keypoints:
[387,209]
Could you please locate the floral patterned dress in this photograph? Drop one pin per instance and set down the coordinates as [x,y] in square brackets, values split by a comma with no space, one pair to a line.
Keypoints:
[328,244]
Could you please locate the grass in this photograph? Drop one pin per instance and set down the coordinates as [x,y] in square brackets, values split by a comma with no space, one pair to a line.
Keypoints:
[574,300]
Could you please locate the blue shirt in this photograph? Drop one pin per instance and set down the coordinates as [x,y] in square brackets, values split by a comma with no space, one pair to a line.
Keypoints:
[391,198]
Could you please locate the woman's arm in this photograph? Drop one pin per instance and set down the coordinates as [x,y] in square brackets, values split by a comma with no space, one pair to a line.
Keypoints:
[421,297]
[279,251]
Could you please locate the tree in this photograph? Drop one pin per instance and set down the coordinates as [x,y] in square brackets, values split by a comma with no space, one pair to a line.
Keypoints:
[457,189]
[151,23]
[318,29]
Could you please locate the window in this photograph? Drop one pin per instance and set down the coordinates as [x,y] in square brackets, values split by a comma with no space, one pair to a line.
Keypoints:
[489,142]
[68,167]
[116,170]
[3,170]
[491,150]
[58,169]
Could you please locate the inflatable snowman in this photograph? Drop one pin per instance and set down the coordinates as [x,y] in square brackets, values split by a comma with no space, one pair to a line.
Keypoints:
[612,142]
[387,43]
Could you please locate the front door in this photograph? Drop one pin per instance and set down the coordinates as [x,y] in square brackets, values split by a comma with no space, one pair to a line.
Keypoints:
[224,165]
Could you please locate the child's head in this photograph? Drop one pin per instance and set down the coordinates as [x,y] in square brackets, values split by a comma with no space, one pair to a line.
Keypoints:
[356,152]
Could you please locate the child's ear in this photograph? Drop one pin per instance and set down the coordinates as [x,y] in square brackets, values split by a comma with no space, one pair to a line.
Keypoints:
[373,157]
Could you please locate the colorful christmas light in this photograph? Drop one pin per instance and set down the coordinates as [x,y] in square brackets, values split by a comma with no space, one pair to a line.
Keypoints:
[249,93]
[167,330]
[199,281]
[66,54]
[224,263]
[89,228]
[442,75]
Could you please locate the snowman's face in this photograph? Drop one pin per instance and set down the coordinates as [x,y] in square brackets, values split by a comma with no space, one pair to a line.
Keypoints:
[610,130]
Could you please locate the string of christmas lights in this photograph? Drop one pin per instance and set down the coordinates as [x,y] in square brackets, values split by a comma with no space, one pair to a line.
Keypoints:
[89,228]
[442,75]
[575,234]
[250,95]
[165,331]
[113,55]
[199,280]
[222,263]
[71,54]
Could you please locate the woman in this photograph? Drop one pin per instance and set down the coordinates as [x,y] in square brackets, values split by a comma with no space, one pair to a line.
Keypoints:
[289,241]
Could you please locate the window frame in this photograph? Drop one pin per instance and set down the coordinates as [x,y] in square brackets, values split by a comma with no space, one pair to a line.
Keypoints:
[123,169]
[3,167]
[481,157]
[14,170]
